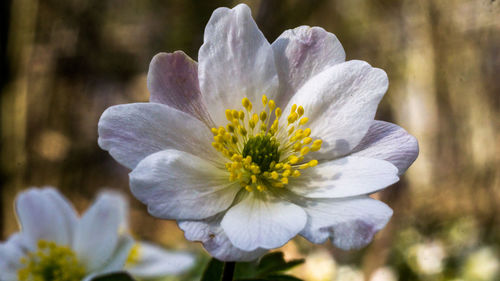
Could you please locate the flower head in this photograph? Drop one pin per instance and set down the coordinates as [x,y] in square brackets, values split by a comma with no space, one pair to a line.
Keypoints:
[56,245]
[257,142]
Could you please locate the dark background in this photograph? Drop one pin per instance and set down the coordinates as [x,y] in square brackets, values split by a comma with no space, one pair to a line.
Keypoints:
[64,62]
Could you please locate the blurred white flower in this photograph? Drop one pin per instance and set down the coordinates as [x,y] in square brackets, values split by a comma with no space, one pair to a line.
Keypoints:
[349,273]
[482,265]
[428,257]
[384,274]
[54,244]
[260,142]
[320,266]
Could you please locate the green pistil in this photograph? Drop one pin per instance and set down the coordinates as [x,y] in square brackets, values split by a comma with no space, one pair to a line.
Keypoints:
[263,150]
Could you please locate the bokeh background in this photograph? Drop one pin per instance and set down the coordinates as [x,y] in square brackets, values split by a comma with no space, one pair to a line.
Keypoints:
[64,62]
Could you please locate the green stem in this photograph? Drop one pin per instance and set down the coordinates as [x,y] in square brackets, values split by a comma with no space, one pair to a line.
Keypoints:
[228,273]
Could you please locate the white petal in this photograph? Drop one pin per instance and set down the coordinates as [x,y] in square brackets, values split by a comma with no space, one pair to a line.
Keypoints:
[350,222]
[130,132]
[173,80]
[11,253]
[340,103]
[388,142]
[46,214]
[215,240]
[120,254]
[97,232]
[301,53]
[262,223]
[156,262]
[179,185]
[344,177]
[235,61]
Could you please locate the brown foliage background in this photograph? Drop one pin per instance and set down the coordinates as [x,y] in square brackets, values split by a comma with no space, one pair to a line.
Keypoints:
[65,62]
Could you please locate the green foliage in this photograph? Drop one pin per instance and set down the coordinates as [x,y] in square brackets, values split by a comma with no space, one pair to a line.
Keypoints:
[214,270]
[119,276]
[269,268]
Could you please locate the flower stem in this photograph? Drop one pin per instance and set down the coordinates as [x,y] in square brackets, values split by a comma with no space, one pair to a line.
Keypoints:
[228,273]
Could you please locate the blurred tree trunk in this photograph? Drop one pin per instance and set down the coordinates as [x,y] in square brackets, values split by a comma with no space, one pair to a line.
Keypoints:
[22,21]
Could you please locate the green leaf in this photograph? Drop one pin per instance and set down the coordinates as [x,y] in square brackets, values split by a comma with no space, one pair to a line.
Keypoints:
[213,271]
[118,276]
[275,262]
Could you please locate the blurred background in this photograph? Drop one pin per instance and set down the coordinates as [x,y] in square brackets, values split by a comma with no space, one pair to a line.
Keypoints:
[64,62]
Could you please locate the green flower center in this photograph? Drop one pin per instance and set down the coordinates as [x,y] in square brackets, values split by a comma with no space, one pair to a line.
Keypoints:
[263,150]
[51,262]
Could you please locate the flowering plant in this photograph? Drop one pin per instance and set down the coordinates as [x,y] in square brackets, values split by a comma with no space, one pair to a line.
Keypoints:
[257,142]
[54,244]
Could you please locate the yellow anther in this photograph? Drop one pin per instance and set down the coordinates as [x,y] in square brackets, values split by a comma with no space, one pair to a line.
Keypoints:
[286,173]
[248,160]
[294,107]
[272,105]
[274,175]
[251,123]
[255,118]
[241,115]
[300,110]
[214,131]
[273,163]
[248,188]
[253,178]
[227,136]
[278,184]
[292,117]
[305,150]
[263,116]
[307,140]
[290,131]
[296,173]
[246,104]
[264,100]
[297,147]
[313,163]
[234,139]
[260,188]
[294,159]
[307,132]
[287,167]
[278,166]
[278,112]
[303,120]
[221,130]
[284,180]
[229,115]
[242,130]
[304,166]
[235,114]
[230,128]
[316,145]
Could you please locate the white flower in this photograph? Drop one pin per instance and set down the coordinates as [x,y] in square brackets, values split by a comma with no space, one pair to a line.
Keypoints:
[56,245]
[244,176]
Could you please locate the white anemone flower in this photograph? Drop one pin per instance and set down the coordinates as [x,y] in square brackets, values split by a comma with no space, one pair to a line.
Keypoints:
[258,142]
[54,244]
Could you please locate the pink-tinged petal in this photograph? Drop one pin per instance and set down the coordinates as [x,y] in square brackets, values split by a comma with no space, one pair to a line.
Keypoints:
[156,262]
[300,54]
[340,103]
[45,214]
[345,177]
[388,142]
[130,132]
[173,80]
[178,185]
[97,234]
[215,240]
[262,223]
[350,223]
[235,61]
